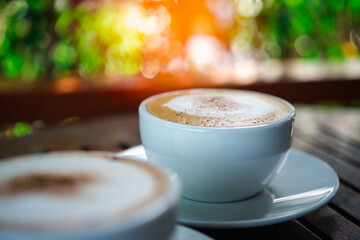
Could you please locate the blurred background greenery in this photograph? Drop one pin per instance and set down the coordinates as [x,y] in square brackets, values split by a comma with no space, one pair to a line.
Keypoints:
[46,40]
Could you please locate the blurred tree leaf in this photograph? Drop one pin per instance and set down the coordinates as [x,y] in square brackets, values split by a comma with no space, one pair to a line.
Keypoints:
[64,56]
[12,65]
[21,129]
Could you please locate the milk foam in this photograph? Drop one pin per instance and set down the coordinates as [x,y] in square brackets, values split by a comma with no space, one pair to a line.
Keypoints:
[117,189]
[218,108]
[222,105]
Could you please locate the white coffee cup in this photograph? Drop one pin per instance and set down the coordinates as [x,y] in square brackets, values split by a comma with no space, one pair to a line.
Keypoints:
[218,164]
[85,195]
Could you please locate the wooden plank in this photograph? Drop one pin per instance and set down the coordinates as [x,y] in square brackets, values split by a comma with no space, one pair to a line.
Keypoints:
[332,224]
[343,123]
[345,171]
[332,145]
[338,122]
[348,201]
[293,230]
[105,134]
[352,139]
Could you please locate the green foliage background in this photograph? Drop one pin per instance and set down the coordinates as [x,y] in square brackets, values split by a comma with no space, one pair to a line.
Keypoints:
[45,39]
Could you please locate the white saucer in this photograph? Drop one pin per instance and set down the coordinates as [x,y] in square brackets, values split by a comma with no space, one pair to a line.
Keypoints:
[304,184]
[185,233]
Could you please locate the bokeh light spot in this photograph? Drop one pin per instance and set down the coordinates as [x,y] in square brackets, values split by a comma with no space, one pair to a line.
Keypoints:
[305,46]
[22,28]
[12,65]
[64,55]
[249,8]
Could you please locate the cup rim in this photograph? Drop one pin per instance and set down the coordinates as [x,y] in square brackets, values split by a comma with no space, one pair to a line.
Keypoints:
[143,110]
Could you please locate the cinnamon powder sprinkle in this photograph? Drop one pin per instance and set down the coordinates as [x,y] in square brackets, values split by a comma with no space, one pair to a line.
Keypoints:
[47,183]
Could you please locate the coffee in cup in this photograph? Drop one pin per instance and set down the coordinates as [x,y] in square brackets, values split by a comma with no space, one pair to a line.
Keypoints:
[218,108]
[225,145]
[78,195]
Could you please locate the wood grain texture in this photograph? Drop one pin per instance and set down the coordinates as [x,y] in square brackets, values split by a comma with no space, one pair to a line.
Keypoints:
[334,146]
[348,201]
[104,134]
[332,224]
[289,230]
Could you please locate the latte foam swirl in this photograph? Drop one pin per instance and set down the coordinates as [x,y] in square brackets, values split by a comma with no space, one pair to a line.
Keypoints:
[222,105]
[222,108]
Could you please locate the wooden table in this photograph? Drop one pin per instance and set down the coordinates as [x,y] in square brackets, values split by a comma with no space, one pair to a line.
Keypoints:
[332,134]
